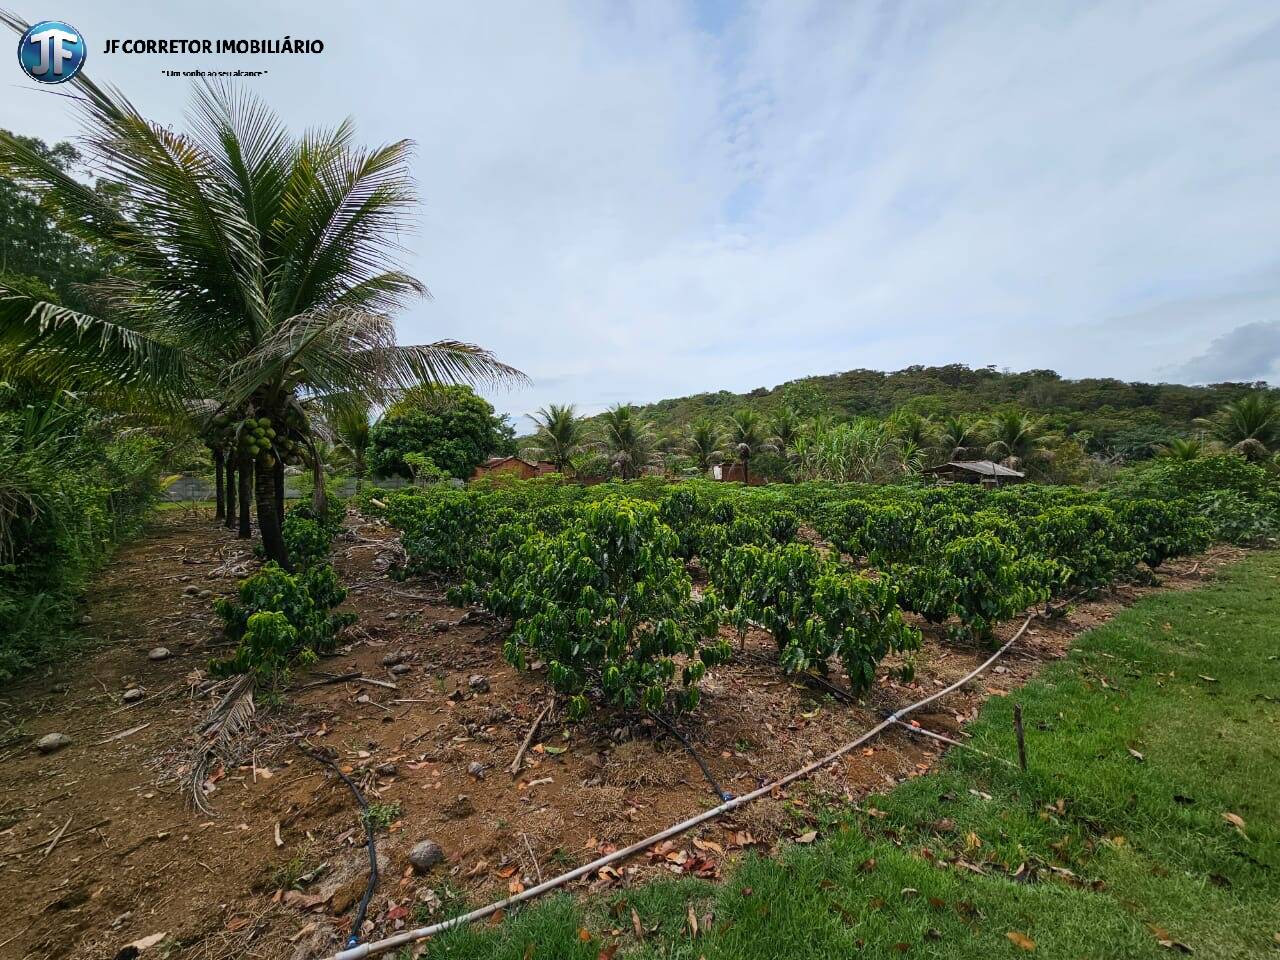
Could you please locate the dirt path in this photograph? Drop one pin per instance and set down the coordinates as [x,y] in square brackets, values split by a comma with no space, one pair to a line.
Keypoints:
[278,870]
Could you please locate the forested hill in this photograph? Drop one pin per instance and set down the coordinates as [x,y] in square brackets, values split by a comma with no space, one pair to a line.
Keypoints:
[1122,417]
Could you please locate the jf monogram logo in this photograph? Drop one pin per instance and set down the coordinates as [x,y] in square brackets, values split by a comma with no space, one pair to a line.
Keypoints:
[52,51]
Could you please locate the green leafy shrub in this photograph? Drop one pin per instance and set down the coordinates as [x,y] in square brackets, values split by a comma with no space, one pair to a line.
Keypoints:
[1236,518]
[977,579]
[606,603]
[1163,529]
[814,609]
[1240,500]
[307,537]
[1088,545]
[281,619]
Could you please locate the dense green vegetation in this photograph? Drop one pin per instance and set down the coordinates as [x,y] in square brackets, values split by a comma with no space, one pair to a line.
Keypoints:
[248,268]
[1110,418]
[787,444]
[230,286]
[593,579]
[451,428]
[1147,824]
[73,483]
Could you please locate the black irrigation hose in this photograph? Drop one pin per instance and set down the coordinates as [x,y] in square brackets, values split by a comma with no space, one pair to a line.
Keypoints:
[840,693]
[720,791]
[837,691]
[370,840]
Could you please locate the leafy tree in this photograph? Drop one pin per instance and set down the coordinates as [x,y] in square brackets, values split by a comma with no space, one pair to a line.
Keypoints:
[628,440]
[256,269]
[32,245]
[451,426]
[1249,426]
[702,444]
[560,435]
[745,435]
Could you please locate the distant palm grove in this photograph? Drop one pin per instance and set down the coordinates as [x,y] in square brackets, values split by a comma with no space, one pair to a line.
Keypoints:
[869,426]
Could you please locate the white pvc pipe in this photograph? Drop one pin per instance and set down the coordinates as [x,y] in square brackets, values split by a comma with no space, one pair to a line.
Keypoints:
[422,933]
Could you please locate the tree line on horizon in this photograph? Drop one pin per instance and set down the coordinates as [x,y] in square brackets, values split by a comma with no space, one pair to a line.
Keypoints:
[785,445]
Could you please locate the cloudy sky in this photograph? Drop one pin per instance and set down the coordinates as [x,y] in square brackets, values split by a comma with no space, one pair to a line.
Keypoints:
[632,201]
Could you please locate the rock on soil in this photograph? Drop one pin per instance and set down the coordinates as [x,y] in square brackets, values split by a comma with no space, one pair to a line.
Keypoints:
[159,653]
[478,683]
[391,659]
[400,669]
[132,695]
[426,855]
[51,742]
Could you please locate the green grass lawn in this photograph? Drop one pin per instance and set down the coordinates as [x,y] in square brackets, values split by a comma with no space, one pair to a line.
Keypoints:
[1159,725]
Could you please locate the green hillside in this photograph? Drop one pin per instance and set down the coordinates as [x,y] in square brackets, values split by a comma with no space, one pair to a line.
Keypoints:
[1120,418]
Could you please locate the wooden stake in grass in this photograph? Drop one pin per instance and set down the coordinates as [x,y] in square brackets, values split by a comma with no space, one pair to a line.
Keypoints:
[1022,743]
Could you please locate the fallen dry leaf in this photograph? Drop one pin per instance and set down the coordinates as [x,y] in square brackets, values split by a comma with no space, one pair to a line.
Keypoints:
[1021,940]
[1236,821]
[584,934]
[807,837]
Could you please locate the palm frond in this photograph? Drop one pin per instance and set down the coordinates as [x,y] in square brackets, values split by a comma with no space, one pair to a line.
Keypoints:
[230,717]
[45,339]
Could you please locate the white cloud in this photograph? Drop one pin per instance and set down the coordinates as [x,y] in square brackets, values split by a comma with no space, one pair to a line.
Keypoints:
[639,201]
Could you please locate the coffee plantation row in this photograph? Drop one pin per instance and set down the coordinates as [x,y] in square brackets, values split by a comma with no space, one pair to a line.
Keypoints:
[622,589]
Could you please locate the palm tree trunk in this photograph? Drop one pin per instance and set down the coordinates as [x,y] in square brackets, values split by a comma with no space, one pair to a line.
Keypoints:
[746,471]
[267,496]
[232,494]
[220,508]
[246,495]
[277,474]
[319,496]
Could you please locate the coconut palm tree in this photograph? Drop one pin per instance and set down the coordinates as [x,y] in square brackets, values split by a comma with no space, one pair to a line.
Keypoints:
[257,269]
[785,427]
[1249,426]
[560,435]
[1015,438]
[959,437]
[702,444]
[349,424]
[745,435]
[627,439]
[1182,448]
[908,427]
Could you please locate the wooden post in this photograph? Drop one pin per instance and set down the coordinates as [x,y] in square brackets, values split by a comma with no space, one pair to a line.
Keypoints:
[1022,743]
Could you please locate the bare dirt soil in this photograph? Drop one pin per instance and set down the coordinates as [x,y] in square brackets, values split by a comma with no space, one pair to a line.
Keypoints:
[100,846]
